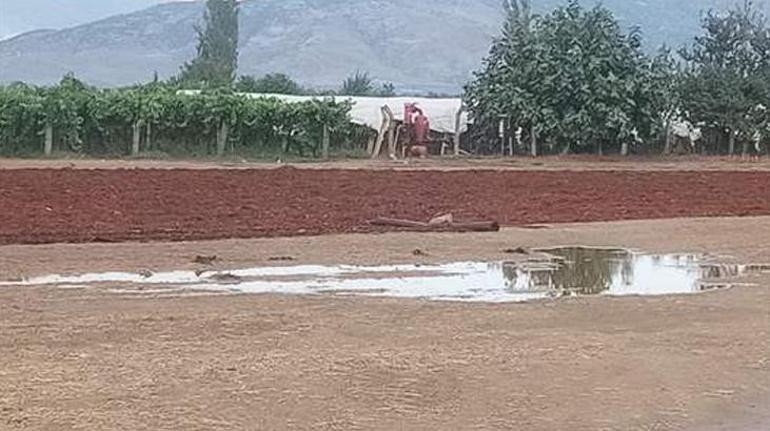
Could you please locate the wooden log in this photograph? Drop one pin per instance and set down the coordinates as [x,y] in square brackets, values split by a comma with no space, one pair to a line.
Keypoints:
[394,222]
[474,226]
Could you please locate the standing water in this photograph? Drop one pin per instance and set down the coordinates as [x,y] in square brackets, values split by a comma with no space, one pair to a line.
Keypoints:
[549,273]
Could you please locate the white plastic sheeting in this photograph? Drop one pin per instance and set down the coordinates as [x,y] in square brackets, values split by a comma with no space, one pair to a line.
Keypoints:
[367,110]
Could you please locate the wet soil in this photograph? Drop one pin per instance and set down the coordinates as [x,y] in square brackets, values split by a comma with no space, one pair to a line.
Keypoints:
[72,205]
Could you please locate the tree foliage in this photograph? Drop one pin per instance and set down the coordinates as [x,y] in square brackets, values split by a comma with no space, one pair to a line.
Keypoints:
[272,83]
[726,86]
[361,84]
[573,77]
[217,59]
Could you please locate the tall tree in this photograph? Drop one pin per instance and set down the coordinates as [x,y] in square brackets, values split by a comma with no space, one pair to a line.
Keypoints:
[572,75]
[728,75]
[217,59]
[359,84]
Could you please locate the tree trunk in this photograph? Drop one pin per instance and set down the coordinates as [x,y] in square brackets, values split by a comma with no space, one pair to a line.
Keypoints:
[624,149]
[136,134]
[668,147]
[501,135]
[600,150]
[224,130]
[534,141]
[325,143]
[370,145]
[745,148]
[731,149]
[48,146]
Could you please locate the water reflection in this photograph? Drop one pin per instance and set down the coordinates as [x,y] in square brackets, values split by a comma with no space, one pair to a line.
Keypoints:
[595,271]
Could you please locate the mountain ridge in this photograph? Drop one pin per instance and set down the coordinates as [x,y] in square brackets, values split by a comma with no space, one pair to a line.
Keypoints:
[432,45]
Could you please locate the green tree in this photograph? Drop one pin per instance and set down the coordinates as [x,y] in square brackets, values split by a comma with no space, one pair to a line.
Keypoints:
[217,59]
[572,76]
[274,83]
[359,84]
[727,80]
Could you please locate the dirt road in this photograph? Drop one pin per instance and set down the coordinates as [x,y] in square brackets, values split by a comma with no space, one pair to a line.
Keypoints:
[46,206]
[90,359]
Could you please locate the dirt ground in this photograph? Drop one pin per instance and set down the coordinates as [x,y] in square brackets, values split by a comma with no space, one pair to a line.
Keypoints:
[560,163]
[112,205]
[89,359]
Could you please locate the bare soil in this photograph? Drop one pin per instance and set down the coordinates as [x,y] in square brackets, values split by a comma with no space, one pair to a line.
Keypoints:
[89,359]
[113,205]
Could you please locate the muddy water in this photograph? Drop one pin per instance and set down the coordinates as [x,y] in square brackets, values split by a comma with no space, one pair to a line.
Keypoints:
[547,273]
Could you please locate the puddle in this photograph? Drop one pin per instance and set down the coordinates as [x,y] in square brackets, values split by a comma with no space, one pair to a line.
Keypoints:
[548,273]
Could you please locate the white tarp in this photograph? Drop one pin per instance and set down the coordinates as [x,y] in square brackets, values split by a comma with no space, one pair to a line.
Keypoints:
[367,110]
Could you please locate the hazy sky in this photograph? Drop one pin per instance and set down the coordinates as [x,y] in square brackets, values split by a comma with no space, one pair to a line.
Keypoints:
[19,16]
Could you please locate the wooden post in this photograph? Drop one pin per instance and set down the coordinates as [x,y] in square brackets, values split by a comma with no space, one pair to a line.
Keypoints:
[458,129]
[325,143]
[669,139]
[48,146]
[392,140]
[624,148]
[136,134]
[224,130]
[534,141]
[387,118]
[148,138]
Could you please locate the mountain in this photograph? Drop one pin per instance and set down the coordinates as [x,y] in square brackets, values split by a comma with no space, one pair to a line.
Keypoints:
[428,45]
[20,16]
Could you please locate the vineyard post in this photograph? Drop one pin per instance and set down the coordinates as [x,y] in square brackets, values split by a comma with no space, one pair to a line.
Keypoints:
[224,130]
[136,136]
[325,144]
[48,146]
[148,143]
